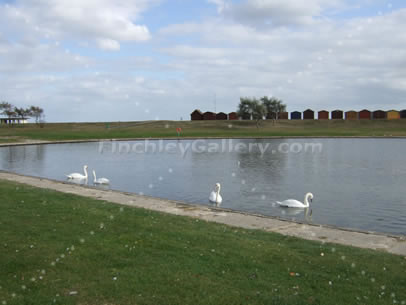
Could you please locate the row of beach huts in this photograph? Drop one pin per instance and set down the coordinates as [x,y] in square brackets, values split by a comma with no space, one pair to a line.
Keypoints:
[308,114]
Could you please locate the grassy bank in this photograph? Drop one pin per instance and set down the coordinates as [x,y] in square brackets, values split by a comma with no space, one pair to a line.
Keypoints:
[154,129]
[65,249]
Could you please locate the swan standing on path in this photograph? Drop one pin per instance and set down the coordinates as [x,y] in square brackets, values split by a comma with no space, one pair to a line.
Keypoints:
[293,203]
[100,180]
[215,195]
[77,175]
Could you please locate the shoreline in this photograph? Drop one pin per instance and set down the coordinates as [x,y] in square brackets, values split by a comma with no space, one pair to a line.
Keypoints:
[395,244]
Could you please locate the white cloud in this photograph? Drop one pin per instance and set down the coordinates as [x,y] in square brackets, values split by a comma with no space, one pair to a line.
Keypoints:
[108,44]
[329,63]
[20,58]
[221,5]
[276,12]
[104,22]
[353,63]
[197,53]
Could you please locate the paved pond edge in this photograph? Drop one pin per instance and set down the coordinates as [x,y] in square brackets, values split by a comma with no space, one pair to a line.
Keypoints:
[370,240]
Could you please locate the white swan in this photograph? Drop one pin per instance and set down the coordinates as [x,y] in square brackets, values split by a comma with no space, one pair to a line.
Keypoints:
[100,180]
[77,175]
[215,195]
[293,203]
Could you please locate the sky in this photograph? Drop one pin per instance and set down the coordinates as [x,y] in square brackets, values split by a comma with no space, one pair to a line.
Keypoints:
[130,60]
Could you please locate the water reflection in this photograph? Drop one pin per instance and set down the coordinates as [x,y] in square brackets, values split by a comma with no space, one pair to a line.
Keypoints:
[294,212]
[357,183]
[17,157]
[78,181]
[86,182]
[264,165]
[102,186]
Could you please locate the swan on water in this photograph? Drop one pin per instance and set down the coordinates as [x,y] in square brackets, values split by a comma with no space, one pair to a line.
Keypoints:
[293,203]
[100,180]
[215,196]
[77,175]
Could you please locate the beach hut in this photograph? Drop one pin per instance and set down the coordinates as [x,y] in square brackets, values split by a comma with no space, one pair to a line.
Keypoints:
[403,114]
[337,115]
[379,115]
[295,115]
[233,116]
[209,115]
[351,115]
[393,115]
[365,114]
[271,115]
[283,116]
[323,115]
[196,115]
[221,116]
[308,114]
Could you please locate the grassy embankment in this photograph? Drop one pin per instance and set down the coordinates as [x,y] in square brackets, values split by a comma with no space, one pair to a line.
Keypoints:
[65,249]
[158,129]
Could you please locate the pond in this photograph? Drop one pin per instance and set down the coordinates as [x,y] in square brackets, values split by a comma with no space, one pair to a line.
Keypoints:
[357,183]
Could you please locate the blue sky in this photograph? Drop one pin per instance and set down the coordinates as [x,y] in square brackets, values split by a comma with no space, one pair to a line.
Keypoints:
[105,60]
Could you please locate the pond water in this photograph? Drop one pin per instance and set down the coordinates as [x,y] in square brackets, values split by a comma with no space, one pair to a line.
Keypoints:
[357,183]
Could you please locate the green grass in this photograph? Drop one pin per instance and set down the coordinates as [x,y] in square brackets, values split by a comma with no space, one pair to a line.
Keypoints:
[53,244]
[162,129]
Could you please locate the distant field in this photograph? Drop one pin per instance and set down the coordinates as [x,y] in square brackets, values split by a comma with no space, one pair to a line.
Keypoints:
[162,129]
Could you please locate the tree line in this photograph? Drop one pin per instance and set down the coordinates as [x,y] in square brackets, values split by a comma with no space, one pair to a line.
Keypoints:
[257,109]
[12,111]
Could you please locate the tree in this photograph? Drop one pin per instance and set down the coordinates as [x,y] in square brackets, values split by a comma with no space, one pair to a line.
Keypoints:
[7,109]
[258,111]
[244,108]
[27,112]
[251,108]
[19,112]
[37,113]
[273,106]
[12,111]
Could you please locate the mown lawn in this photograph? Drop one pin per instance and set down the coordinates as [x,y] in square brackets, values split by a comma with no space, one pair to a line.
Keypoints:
[64,249]
[163,129]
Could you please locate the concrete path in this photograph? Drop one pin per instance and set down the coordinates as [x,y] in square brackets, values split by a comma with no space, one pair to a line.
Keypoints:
[38,142]
[392,244]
